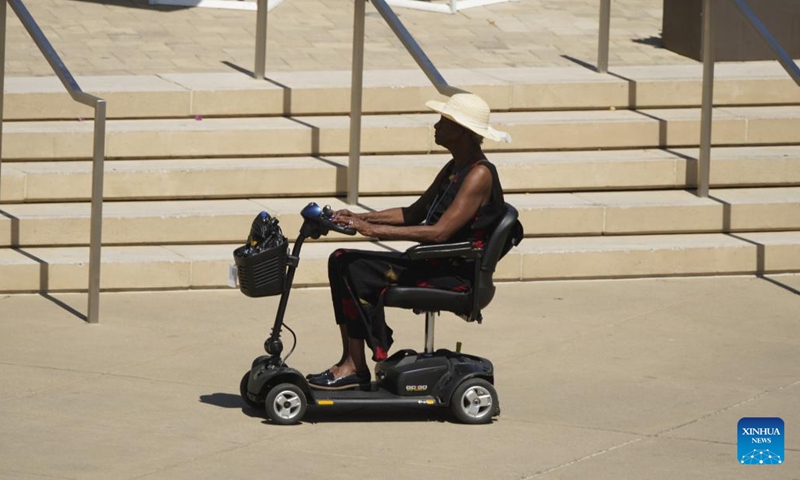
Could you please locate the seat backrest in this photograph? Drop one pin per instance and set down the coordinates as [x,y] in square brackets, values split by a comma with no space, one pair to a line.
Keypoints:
[507,234]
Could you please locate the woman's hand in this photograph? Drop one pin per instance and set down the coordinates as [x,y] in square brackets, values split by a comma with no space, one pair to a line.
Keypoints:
[361,226]
[346,213]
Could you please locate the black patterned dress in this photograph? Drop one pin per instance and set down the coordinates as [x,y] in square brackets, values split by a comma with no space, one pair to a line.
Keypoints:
[359,278]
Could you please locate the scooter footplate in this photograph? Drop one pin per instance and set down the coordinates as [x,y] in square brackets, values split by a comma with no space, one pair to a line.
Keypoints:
[361,397]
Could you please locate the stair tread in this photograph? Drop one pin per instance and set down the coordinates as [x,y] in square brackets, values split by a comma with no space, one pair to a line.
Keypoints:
[398,120]
[205,266]
[232,93]
[542,214]
[319,249]
[385,134]
[291,206]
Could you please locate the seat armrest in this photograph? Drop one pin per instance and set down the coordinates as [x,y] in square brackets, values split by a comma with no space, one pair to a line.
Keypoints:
[444,250]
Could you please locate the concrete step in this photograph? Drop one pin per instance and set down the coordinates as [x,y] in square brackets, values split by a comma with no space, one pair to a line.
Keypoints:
[542,214]
[326,176]
[389,134]
[205,266]
[326,93]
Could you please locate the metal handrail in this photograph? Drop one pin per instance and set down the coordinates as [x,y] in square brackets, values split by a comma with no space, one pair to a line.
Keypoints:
[356,86]
[357,80]
[99,105]
[414,49]
[786,61]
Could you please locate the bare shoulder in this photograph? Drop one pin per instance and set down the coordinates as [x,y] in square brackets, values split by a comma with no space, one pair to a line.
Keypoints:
[479,176]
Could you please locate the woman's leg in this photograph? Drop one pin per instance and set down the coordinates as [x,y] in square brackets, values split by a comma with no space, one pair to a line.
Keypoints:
[357,279]
[356,361]
[338,289]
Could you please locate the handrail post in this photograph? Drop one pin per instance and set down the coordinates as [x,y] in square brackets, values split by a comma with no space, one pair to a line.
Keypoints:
[262,14]
[356,86]
[707,114]
[604,36]
[3,10]
[96,234]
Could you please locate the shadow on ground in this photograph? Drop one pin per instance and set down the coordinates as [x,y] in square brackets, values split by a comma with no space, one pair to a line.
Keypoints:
[136,4]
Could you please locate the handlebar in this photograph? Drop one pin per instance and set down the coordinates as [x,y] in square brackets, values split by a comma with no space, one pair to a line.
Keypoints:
[323,218]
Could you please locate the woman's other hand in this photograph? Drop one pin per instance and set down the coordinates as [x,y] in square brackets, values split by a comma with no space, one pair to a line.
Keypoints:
[361,226]
[345,213]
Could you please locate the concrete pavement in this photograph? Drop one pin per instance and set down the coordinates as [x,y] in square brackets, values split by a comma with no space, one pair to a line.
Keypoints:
[125,37]
[597,380]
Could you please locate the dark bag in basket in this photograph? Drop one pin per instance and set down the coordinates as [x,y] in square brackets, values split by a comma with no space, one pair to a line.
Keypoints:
[261,262]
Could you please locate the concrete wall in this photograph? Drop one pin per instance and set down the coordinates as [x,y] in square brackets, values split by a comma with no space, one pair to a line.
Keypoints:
[735,39]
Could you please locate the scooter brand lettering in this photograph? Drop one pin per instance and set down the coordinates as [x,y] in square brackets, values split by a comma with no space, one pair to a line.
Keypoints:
[416,388]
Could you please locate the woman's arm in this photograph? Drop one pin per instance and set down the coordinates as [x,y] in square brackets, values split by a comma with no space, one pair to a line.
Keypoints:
[414,214]
[475,192]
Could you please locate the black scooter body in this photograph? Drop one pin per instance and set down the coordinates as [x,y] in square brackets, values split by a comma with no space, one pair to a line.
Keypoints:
[411,374]
[407,377]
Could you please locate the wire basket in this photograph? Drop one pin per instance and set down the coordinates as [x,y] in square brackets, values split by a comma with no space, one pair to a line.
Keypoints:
[262,274]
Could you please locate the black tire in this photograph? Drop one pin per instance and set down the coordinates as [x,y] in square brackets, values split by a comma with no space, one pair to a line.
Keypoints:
[475,402]
[243,393]
[286,404]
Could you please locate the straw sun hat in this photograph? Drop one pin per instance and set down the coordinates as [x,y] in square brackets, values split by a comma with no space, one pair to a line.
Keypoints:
[469,111]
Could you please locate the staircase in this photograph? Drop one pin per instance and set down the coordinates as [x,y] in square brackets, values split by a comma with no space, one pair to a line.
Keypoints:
[599,169]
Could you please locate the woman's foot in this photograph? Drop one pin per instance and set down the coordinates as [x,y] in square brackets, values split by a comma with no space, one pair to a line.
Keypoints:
[333,370]
[328,381]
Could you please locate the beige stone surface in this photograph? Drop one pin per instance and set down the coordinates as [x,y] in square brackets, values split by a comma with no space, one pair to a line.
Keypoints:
[736,83]
[664,211]
[660,255]
[681,126]
[20,272]
[327,135]
[772,125]
[328,92]
[542,214]
[777,251]
[126,96]
[134,38]
[188,266]
[557,213]
[760,208]
[630,378]
[128,268]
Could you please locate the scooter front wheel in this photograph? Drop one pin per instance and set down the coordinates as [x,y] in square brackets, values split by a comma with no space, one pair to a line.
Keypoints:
[286,404]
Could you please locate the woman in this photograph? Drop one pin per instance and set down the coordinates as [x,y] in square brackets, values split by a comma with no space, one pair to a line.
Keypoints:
[464,203]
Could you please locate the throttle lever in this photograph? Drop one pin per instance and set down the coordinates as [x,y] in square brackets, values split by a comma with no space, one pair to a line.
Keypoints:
[325,217]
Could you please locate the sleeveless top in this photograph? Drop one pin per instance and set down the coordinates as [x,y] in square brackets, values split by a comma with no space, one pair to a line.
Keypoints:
[480,227]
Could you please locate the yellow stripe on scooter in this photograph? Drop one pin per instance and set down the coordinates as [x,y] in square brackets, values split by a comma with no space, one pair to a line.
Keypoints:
[325,402]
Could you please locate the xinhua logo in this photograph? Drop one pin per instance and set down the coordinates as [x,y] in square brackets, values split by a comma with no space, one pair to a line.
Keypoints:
[761,441]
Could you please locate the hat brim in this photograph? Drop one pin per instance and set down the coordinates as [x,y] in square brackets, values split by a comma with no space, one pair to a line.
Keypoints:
[484,131]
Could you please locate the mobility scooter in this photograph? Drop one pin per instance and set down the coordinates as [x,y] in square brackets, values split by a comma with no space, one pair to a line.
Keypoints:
[432,378]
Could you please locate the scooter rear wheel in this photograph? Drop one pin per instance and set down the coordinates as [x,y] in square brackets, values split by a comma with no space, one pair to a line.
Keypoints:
[286,404]
[475,401]
[243,392]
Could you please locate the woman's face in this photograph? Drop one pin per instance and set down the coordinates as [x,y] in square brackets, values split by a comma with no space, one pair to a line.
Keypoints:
[447,132]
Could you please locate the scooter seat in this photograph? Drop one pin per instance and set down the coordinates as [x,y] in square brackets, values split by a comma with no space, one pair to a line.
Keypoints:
[428,299]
